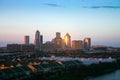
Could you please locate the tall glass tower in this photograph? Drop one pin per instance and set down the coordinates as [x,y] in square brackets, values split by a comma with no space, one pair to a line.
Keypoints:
[67,40]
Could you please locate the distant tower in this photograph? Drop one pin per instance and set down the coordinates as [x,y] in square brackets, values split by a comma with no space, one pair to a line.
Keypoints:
[41,39]
[58,35]
[67,40]
[37,39]
[26,40]
[87,43]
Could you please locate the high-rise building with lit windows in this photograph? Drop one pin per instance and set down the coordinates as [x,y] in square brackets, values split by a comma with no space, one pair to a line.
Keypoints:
[87,43]
[67,40]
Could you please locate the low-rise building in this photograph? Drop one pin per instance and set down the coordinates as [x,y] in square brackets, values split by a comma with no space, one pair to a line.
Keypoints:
[20,47]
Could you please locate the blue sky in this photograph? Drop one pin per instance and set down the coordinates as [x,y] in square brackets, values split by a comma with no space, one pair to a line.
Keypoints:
[98,19]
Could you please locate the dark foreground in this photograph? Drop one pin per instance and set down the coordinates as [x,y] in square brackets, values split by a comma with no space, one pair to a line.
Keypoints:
[70,70]
[86,72]
[54,70]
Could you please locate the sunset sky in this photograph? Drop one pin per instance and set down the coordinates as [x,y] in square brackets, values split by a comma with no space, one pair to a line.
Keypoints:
[97,19]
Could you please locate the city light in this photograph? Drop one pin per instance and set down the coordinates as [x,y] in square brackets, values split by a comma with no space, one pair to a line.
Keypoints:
[32,68]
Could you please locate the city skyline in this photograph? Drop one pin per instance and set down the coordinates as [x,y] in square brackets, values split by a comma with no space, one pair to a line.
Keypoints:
[97,19]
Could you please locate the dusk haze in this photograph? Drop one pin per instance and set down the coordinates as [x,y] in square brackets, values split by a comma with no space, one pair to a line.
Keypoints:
[59,39]
[98,19]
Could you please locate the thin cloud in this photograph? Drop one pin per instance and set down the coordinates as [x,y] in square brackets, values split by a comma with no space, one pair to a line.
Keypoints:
[111,6]
[95,7]
[52,4]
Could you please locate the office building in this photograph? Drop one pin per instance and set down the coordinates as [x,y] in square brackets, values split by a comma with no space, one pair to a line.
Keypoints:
[87,43]
[58,41]
[58,35]
[20,47]
[48,47]
[41,39]
[26,40]
[67,41]
[37,39]
[77,44]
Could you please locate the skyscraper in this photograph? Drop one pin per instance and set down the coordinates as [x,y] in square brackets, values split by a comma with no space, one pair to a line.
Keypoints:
[58,35]
[87,43]
[67,40]
[58,41]
[41,39]
[26,40]
[37,39]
